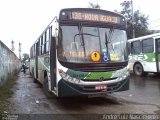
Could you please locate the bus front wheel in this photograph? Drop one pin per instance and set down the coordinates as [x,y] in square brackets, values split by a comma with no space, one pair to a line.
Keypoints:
[138,69]
[34,79]
[46,88]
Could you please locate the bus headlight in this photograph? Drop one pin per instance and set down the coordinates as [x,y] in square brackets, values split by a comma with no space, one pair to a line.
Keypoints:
[124,75]
[67,77]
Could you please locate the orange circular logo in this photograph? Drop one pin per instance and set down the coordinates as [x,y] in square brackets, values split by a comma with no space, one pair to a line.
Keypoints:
[95,56]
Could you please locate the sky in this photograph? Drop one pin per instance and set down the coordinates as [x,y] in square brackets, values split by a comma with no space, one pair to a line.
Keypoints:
[24,20]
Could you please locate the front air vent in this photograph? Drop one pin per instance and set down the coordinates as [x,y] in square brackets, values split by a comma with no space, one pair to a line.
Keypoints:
[95,67]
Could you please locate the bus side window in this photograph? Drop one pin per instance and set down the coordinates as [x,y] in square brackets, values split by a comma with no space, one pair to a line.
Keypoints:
[136,47]
[158,44]
[147,45]
[39,46]
[47,40]
[34,51]
[44,43]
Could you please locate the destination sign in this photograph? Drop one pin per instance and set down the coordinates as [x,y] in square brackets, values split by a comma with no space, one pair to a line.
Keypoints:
[95,17]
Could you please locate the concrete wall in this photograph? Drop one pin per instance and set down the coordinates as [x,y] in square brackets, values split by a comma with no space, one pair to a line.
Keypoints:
[9,62]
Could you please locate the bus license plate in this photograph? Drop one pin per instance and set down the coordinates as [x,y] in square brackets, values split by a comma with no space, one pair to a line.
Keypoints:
[100,87]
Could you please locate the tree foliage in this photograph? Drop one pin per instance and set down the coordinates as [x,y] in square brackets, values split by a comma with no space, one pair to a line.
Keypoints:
[139,22]
[94,5]
[25,57]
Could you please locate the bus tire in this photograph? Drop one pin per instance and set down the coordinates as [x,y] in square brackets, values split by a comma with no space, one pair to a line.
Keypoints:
[138,69]
[34,79]
[45,88]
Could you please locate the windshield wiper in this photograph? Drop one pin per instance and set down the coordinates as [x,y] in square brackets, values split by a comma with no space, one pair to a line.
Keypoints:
[81,36]
[81,39]
[108,39]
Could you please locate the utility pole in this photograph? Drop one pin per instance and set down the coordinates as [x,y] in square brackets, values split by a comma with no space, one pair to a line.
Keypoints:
[20,50]
[12,46]
[133,32]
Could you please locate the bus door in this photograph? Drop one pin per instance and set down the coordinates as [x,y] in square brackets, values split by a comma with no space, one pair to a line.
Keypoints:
[157,45]
[53,62]
[36,60]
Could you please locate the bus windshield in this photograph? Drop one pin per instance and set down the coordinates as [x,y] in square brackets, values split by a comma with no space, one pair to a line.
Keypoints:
[81,44]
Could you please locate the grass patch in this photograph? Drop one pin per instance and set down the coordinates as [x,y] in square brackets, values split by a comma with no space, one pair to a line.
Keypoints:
[6,92]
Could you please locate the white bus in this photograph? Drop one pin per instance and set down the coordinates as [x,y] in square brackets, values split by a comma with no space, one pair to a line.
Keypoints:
[144,54]
[82,52]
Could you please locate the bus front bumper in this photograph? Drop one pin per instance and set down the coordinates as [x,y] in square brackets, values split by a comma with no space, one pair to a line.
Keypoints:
[66,89]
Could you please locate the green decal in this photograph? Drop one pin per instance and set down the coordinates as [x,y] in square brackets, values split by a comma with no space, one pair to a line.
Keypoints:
[77,74]
[158,57]
[96,75]
[150,57]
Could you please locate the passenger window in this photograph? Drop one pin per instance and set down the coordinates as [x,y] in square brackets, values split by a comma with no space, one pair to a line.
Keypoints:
[158,44]
[47,40]
[44,43]
[39,46]
[136,47]
[147,45]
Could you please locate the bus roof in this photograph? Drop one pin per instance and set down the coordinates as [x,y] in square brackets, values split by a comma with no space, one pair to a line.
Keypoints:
[144,37]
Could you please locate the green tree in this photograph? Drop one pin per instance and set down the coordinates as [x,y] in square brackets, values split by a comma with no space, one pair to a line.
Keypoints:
[25,57]
[94,5]
[139,22]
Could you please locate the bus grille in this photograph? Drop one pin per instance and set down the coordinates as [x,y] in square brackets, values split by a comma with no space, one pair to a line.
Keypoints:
[98,80]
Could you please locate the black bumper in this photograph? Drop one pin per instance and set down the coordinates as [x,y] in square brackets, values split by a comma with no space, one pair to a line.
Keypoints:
[66,89]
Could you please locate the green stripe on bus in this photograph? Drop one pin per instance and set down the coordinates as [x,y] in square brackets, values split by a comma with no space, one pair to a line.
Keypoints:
[77,74]
[89,75]
[150,57]
[96,75]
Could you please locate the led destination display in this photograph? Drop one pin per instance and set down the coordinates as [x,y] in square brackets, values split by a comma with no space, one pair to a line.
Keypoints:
[95,17]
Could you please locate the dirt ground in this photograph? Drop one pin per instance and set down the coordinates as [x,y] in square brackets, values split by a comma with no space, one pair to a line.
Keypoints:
[29,98]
